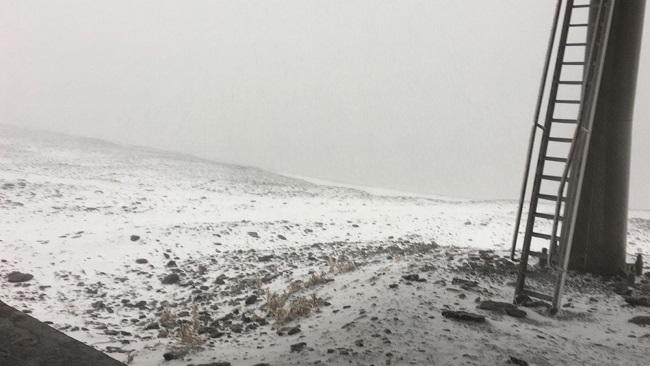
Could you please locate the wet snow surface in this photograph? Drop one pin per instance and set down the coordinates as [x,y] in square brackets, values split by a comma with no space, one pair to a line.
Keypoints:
[126,246]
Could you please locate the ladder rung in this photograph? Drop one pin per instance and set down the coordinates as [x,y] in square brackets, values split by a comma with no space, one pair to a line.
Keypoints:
[567,101]
[547,216]
[543,236]
[579,44]
[560,139]
[579,25]
[556,159]
[564,120]
[550,197]
[570,82]
[537,295]
[552,177]
[574,63]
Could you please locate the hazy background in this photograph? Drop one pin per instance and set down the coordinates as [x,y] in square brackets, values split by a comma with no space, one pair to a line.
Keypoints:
[423,96]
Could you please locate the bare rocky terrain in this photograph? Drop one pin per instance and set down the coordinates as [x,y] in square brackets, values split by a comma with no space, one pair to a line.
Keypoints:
[163,259]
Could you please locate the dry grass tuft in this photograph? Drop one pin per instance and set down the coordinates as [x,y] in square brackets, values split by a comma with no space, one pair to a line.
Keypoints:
[341,264]
[315,279]
[167,319]
[294,287]
[188,332]
[283,310]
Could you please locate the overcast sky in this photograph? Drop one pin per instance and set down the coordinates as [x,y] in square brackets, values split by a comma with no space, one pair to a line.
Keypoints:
[423,96]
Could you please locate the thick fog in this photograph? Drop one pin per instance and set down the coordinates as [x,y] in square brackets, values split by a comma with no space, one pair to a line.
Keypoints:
[424,96]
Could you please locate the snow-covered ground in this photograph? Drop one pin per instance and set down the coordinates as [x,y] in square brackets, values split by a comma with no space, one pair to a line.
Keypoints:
[100,225]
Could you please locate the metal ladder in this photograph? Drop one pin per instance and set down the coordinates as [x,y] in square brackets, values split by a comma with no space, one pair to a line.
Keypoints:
[571,131]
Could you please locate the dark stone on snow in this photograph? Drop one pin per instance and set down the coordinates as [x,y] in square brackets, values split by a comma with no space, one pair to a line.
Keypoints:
[221,279]
[637,300]
[265,258]
[516,361]
[622,289]
[502,307]
[414,277]
[252,299]
[213,332]
[464,284]
[171,279]
[640,320]
[171,264]
[151,326]
[253,234]
[135,237]
[168,356]
[16,276]
[293,330]
[236,327]
[526,301]
[141,261]
[298,347]
[463,316]
[281,237]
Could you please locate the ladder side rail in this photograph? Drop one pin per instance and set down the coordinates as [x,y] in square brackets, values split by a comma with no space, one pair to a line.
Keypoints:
[542,150]
[584,151]
[533,132]
[585,100]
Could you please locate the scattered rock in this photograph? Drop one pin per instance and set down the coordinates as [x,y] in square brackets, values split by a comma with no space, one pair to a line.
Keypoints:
[463,316]
[464,284]
[281,237]
[637,300]
[293,330]
[414,277]
[265,258]
[16,276]
[298,347]
[152,326]
[113,349]
[135,237]
[502,307]
[173,355]
[221,279]
[252,299]
[640,320]
[526,301]
[171,264]
[253,234]
[622,289]
[393,285]
[358,343]
[516,361]
[141,261]
[236,327]
[170,279]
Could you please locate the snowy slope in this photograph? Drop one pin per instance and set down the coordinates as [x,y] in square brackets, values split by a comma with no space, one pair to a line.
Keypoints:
[71,208]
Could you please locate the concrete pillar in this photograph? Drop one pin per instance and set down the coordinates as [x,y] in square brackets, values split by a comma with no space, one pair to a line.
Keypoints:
[601,228]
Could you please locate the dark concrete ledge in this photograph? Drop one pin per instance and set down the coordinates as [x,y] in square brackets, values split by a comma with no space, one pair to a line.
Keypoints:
[25,341]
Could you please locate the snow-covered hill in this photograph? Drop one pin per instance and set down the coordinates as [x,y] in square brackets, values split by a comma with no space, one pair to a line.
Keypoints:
[124,243]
